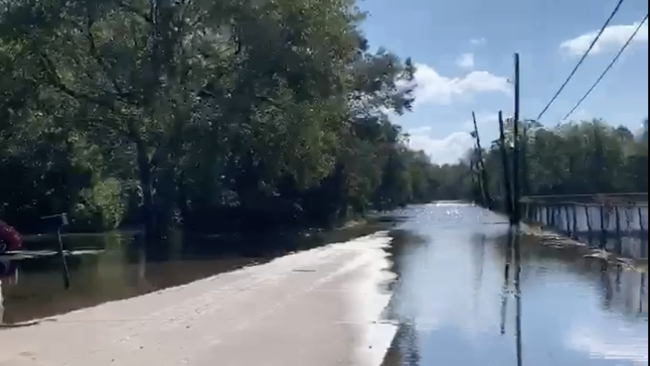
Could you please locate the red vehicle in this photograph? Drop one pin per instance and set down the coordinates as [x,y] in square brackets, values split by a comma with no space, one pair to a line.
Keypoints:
[10,238]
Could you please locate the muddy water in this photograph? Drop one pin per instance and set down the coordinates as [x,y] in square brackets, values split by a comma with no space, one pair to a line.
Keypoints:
[111,267]
[455,306]
[451,298]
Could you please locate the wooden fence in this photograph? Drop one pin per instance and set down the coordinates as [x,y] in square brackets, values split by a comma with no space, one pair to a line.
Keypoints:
[602,220]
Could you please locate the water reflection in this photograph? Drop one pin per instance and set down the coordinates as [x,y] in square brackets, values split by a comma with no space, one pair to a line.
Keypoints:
[467,291]
[618,229]
[114,267]
[471,292]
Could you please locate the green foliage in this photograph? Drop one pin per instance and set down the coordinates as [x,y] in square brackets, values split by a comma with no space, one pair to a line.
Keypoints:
[100,207]
[585,157]
[226,115]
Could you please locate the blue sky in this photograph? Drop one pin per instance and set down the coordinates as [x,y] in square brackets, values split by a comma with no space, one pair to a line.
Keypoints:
[464,50]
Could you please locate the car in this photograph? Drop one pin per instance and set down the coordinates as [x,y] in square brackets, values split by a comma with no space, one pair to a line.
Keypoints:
[10,238]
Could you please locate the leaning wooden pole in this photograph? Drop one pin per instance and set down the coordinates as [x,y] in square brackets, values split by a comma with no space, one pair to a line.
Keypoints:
[506,167]
[64,264]
[481,166]
[60,220]
[472,177]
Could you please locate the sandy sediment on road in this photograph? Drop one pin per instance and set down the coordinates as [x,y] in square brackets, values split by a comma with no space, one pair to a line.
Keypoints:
[319,307]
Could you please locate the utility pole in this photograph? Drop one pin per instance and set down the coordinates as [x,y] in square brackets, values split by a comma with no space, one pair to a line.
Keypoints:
[525,183]
[483,172]
[516,217]
[507,170]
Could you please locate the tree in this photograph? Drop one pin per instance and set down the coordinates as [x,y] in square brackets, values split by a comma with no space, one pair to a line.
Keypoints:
[585,157]
[221,115]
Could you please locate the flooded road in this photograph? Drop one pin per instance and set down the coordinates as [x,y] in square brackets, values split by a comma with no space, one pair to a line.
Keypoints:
[619,229]
[455,307]
[435,278]
[111,267]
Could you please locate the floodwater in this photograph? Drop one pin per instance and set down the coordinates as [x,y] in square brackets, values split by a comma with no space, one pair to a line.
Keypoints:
[111,267]
[620,229]
[461,294]
[455,306]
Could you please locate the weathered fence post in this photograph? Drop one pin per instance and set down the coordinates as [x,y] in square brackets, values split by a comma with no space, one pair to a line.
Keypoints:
[59,221]
[567,218]
[575,222]
[618,221]
[603,229]
[640,218]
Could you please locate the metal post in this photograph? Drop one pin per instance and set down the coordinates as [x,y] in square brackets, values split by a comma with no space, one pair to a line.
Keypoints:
[64,264]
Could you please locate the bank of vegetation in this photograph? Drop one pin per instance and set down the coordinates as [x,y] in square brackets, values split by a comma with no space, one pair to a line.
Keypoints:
[578,158]
[211,115]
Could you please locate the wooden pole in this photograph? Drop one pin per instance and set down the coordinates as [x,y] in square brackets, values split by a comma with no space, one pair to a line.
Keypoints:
[641,292]
[515,155]
[525,182]
[603,230]
[64,263]
[640,213]
[476,187]
[506,168]
[506,281]
[575,222]
[517,283]
[483,171]
[618,221]
[567,218]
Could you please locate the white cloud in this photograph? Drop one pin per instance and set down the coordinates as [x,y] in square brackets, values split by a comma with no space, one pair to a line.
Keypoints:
[477,41]
[452,148]
[466,61]
[447,150]
[613,37]
[432,87]
[482,119]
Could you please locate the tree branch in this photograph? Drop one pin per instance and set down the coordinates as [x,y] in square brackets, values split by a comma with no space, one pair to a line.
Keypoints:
[54,80]
[134,10]
[92,45]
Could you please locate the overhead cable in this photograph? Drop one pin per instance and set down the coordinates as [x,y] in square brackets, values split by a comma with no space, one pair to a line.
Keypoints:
[609,67]
[582,59]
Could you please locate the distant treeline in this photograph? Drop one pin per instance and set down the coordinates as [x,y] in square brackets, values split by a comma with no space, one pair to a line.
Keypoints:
[586,157]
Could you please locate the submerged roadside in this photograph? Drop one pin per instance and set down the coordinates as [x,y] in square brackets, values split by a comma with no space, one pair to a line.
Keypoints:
[285,309]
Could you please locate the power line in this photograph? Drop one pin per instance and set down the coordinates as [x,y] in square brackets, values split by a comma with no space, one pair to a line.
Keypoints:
[620,52]
[582,59]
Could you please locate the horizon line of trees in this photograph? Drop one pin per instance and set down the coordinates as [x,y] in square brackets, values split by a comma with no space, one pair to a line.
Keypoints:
[214,115]
[579,157]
